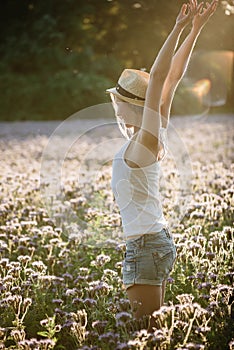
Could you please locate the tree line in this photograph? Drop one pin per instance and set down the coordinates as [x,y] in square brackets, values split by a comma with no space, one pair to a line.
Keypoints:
[58,57]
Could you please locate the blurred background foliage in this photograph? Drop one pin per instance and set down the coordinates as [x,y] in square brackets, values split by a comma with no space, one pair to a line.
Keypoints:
[58,57]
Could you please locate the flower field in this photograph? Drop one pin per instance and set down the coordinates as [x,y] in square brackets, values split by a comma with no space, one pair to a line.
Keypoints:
[60,264]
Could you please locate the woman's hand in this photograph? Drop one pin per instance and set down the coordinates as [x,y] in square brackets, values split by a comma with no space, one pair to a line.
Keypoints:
[203,13]
[185,15]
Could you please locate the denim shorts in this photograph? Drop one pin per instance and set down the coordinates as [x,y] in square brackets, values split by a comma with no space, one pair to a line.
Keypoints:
[149,259]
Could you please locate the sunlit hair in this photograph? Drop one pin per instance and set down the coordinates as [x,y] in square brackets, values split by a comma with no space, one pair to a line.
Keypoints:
[138,110]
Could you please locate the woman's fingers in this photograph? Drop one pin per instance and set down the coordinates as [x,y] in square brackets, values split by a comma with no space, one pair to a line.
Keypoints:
[200,8]
[183,8]
[211,7]
[192,6]
[186,10]
[214,5]
[204,13]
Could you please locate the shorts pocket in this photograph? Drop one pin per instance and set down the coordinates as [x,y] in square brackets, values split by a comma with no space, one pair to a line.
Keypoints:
[129,267]
[164,261]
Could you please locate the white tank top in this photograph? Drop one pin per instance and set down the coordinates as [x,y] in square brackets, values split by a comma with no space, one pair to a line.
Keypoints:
[136,191]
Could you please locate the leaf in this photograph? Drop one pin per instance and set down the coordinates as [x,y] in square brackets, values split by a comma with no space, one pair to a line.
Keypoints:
[43,334]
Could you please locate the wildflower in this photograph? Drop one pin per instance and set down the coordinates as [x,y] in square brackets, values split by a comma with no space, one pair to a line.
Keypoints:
[185,298]
[4,262]
[84,271]
[39,265]
[210,255]
[24,259]
[57,301]
[2,332]
[80,279]
[16,290]
[119,265]
[90,302]
[99,325]
[59,312]
[45,323]
[231,344]
[213,276]
[170,280]
[86,347]
[15,272]
[29,271]
[205,285]
[223,288]
[55,241]
[110,273]
[101,260]
[159,335]
[24,344]
[141,334]
[201,329]
[122,346]
[192,277]
[14,301]
[71,292]
[230,275]
[201,276]
[186,310]
[26,303]
[122,318]
[80,316]
[27,223]
[78,331]
[18,335]
[110,338]
[135,344]
[193,346]
[47,344]
[77,301]
[123,304]
[98,286]
[205,296]
[67,276]
[180,324]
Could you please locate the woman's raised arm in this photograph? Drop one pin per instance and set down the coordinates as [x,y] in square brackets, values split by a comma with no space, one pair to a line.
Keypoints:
[148,135]
[182,57]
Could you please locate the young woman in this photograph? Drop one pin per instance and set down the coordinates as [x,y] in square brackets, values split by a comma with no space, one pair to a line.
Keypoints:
[142,104]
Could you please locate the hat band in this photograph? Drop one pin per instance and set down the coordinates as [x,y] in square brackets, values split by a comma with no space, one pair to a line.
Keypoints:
[125,93]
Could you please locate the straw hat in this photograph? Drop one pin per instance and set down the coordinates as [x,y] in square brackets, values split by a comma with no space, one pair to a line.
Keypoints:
[131,86]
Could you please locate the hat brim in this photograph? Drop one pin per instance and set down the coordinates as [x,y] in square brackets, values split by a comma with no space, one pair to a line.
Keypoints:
[127,99]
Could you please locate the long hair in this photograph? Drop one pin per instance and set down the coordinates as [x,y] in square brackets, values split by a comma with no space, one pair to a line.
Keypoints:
[138,110]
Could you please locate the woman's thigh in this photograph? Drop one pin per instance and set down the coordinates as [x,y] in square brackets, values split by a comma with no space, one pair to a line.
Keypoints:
[144,299]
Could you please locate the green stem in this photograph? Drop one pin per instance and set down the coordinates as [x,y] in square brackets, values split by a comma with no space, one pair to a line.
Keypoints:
[190,327]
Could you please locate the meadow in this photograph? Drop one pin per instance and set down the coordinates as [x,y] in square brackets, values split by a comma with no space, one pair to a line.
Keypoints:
[60,265]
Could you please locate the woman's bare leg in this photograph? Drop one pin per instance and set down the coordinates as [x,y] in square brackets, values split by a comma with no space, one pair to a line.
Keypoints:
[145,299]
[163,291]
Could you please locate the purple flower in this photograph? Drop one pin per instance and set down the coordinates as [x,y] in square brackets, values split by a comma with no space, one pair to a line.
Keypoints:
[57,301]
[170,280]
[205,285]
[90,302]
[109,337]
[122,346]
[99,325]
[122,318]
